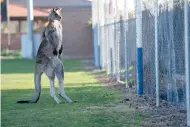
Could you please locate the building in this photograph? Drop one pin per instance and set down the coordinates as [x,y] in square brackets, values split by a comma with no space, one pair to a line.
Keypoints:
[77,37]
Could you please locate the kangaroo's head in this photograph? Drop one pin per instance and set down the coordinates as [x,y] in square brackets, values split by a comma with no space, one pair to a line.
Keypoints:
[55,14]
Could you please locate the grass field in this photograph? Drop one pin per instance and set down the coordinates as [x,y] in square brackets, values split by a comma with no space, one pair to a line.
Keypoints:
[95,105]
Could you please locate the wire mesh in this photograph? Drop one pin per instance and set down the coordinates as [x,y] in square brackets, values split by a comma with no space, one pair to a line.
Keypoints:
[171,50]
[131,51]
[148,39]
[118,37]
[122,49]
[117,40]
[118,46]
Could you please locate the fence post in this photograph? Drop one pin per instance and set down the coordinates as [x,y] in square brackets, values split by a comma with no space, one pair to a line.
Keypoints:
[98,35]
[139,47]
[111,40]
[114,47]
[112,64]
[125,36]
[93,30]
[102,33]
[8,25]
[187,60]
[117,42]
[107,36]
[30,18]
[156,53]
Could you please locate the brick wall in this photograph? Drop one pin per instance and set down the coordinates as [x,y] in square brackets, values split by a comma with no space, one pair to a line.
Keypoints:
[77,35]
[15,41]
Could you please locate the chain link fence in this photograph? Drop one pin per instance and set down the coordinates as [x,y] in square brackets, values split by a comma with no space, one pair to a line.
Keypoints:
[163,45]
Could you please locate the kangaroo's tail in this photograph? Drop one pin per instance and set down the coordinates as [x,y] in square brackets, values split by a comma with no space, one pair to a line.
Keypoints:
[37,79]
[28,101]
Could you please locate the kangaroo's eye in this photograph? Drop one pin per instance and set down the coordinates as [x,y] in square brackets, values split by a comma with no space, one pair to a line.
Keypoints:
[56,14]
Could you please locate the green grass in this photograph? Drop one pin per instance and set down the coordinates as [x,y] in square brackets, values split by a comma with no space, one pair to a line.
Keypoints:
[95,105]
[11,53]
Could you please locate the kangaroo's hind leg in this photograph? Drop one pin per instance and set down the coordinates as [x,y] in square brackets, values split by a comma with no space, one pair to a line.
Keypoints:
[50,72]
[60,75]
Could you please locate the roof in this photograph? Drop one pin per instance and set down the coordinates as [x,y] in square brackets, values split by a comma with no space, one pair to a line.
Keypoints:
[18,10]
[56,3]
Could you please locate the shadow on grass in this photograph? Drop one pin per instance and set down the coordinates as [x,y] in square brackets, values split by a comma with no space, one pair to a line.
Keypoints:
[93,107]
[86,94]
[27,66]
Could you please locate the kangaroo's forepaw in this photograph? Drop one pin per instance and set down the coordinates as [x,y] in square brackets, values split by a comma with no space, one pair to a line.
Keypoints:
[55,52]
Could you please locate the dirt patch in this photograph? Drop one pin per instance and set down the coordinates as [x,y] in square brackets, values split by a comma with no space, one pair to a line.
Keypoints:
[166,115]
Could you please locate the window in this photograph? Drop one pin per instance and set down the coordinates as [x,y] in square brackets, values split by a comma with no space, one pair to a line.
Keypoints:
[23,27]
[13,26]
[36,26]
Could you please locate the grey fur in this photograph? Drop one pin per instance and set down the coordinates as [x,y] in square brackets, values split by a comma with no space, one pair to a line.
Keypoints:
[49,63]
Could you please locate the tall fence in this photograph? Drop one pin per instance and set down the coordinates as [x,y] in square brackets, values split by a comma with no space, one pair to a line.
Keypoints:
[146,47]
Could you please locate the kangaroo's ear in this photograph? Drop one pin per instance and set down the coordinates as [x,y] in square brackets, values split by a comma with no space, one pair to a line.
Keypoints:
[54,9]
[57,9]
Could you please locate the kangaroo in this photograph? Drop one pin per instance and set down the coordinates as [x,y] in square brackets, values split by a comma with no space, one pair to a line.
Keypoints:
[47,59]
[53,31]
